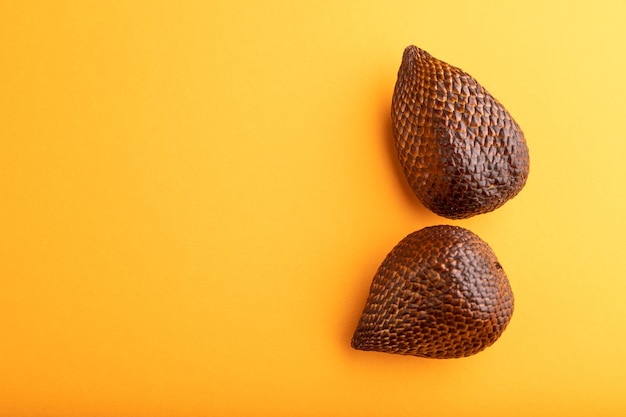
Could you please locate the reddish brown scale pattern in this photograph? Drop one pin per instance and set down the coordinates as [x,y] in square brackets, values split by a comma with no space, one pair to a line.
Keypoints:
[461,151]
[440,293]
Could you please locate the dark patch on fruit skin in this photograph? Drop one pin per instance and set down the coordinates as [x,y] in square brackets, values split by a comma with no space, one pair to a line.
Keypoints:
[460,149]
[440,293]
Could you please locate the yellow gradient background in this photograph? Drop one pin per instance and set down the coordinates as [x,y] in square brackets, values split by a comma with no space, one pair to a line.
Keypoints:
[197,194]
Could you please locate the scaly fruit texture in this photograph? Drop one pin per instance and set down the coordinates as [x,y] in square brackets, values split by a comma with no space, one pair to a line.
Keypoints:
[460,149]
[440,293]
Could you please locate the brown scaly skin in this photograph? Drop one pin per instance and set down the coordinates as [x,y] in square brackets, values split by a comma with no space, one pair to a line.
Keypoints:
[440,293]
[460,149]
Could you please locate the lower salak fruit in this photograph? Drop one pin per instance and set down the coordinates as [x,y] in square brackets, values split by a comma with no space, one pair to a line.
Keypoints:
[440,293]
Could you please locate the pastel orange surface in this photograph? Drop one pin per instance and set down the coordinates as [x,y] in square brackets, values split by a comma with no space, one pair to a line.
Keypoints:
[196,196]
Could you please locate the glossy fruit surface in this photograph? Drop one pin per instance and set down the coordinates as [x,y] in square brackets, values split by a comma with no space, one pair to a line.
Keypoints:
[460,149]
[440,293]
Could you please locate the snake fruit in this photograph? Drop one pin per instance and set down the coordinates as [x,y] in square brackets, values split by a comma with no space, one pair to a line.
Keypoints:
[440,293]
[461,151]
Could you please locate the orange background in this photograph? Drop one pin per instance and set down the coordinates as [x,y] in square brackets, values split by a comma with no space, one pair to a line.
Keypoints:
[196,196]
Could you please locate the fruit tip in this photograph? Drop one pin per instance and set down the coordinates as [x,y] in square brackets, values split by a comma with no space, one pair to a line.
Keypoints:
[412,54]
